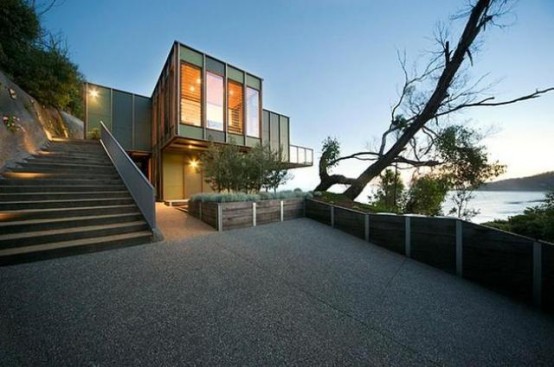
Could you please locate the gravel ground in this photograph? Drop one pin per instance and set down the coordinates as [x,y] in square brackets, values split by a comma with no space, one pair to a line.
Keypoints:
[292,293]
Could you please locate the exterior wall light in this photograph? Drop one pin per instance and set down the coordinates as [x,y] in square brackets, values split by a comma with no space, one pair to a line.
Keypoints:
[93,93]
[193,163]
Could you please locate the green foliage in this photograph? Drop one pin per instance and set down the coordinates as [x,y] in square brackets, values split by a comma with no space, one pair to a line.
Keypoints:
[330,152]
[226,168]
[283,195]
[241,197]
[426,195]
[275,173]
[11,123]
[390,196]
[94,134]
[19,31]
[37,61]
[503,225]
[224,197]
[218,162]
[331,197]
[466,166]
[535,222]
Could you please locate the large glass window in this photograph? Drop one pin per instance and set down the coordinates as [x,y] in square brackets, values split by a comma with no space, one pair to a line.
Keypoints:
[214,101]
[252,112]
[235,107]
[191,93]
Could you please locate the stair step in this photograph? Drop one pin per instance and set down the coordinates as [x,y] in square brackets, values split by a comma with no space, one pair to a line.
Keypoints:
[33,196]
[66,234]
[82,153]
[65,170]
[22,173]
[73,160]
[100,152]
[59,188]
[34,225]
[46,204]
[31,214]
[66,199]
[76,164]
[54,181]
[66,154]
[74,141]
[75,148]
[74,247]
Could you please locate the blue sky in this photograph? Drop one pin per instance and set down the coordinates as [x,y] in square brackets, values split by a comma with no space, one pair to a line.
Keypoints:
[330,65]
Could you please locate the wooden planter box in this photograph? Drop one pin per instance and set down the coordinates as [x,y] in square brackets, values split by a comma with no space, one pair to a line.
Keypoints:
[225,216]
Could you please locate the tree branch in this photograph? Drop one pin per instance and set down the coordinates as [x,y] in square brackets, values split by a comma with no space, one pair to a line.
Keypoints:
[484,102]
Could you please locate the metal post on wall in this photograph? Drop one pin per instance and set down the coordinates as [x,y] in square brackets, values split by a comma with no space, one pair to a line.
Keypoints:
[219,217]
[366,223]
[537,274]
[459,248]
[332,216]
[85,127]
[407,237]
[282,212]
[254,214]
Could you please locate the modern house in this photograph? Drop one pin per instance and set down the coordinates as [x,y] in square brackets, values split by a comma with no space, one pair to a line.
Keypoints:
[197,99]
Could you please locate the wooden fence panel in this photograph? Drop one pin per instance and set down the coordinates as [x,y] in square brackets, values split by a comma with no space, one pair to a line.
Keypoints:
[318,211]
[268,211]
[388,231]
[350,222]
[209,213]
[433,242]
[498,260]
[194,208]
[293,209]
[237,215]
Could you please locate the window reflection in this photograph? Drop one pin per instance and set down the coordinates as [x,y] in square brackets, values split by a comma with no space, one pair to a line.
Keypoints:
[252,112]
[191,92]
[235,107]
[214,101]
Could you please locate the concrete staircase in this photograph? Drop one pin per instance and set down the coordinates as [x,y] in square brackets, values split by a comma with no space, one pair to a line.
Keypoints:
[66,199]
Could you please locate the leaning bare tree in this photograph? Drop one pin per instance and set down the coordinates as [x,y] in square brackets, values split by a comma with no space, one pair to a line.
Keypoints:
[420,114]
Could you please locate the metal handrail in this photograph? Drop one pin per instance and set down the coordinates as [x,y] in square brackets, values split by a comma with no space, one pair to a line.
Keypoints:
[307,152]
[138,185]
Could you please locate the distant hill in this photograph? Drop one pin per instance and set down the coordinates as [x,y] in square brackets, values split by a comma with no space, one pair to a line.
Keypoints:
[540,182]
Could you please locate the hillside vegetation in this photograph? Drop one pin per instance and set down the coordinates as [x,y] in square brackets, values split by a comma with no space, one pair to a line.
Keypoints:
[535,222]
[36,59]
[39,85]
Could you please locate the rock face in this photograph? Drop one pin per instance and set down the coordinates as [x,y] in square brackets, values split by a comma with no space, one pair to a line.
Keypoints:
[26,125]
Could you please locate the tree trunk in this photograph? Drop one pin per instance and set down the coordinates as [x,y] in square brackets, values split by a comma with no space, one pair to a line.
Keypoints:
[476,21]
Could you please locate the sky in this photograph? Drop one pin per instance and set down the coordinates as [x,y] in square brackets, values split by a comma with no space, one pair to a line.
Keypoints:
[331,65]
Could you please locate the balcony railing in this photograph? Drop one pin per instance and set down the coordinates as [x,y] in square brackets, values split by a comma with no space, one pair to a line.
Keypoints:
[301,155]
[138,185]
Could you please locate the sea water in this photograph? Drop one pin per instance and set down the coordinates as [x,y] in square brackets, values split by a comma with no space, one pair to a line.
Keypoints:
[499,204]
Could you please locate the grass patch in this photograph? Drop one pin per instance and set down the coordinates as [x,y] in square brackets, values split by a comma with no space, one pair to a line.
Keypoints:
[343,201]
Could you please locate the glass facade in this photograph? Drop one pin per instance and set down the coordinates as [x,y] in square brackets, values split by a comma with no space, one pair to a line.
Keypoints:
[235,108]
[252,112]
[197,99]
[191,95]
[214,101]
